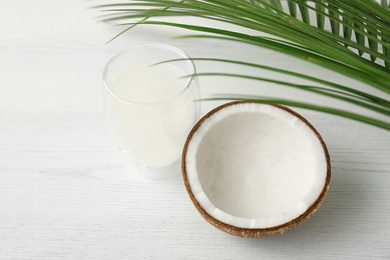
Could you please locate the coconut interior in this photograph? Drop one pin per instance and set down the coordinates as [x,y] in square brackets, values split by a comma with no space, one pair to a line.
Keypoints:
[255,165]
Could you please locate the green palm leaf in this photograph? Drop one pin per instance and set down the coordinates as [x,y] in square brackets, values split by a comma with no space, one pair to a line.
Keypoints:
[356,45]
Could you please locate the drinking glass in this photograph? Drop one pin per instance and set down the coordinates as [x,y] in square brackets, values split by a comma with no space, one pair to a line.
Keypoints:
[150,94]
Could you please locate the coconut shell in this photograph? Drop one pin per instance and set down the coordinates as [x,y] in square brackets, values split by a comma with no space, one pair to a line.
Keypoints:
[257,232]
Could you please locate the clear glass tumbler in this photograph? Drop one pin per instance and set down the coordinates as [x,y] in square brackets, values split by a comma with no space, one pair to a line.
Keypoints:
[150,94]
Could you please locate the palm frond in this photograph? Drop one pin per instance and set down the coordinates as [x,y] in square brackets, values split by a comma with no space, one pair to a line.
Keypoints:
[366,26]
[329,110]
[356,43]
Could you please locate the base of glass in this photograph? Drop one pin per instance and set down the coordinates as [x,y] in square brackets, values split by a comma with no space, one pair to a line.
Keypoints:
[169,172]
[160,173]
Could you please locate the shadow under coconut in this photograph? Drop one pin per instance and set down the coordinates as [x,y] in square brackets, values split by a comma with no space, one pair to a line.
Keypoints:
[337,226]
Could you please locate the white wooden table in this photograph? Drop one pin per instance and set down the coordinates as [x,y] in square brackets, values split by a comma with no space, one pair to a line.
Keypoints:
[66,192]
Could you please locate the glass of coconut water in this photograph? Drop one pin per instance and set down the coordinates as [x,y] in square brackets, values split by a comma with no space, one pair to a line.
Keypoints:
[150,94]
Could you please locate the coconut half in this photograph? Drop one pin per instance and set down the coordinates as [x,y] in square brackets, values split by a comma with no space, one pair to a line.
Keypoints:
[254,169]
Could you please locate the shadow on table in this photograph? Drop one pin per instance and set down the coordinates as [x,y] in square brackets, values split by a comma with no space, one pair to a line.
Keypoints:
[339,225]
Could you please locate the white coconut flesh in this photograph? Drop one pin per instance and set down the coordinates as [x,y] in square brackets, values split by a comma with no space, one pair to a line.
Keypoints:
[254,165]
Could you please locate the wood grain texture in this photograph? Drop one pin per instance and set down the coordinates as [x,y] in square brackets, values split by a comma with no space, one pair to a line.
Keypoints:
[66,192]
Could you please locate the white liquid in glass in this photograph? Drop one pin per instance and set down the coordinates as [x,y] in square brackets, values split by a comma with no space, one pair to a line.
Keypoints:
[152,128]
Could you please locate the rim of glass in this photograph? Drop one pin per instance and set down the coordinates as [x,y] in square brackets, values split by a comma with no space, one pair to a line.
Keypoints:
[118,55]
